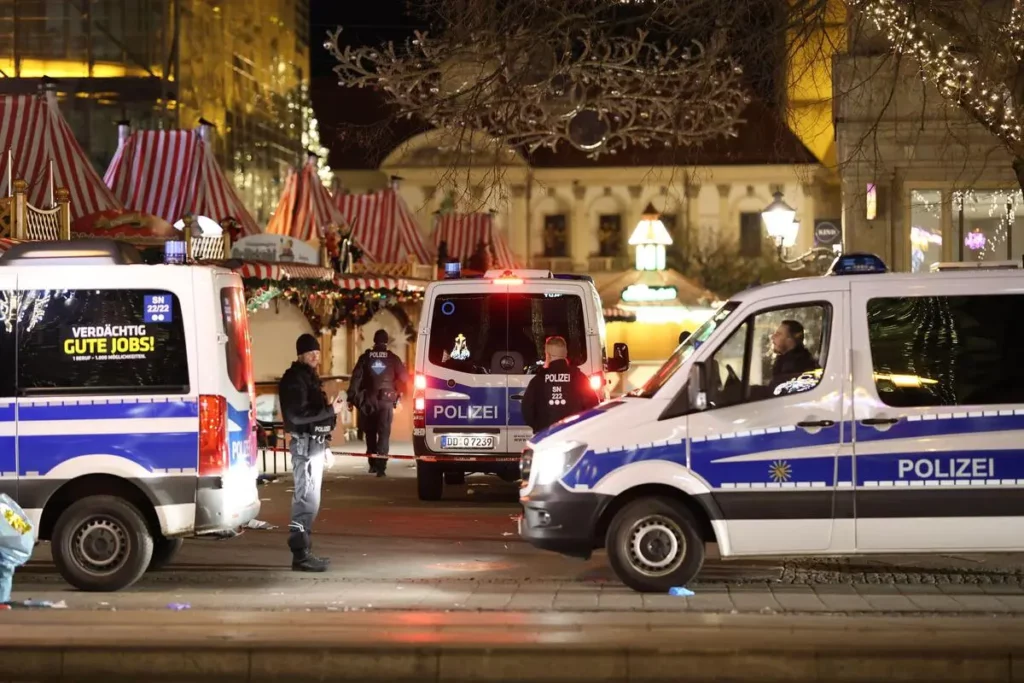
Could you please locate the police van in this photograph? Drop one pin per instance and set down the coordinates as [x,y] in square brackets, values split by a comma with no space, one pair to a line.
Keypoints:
[481,341]
[126,395]
[906,435]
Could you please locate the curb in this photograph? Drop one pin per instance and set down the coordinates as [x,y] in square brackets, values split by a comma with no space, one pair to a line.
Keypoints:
[228,663]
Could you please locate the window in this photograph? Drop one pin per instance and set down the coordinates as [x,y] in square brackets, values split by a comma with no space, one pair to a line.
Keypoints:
[684,351]
[773,353]
[751,235]
[556,237]
[8,314]
[239,346]
[101,341]
[474,333]
[925,229]
[948,350]
[609,235]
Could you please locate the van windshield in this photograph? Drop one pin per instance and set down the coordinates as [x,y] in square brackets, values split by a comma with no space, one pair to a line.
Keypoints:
[683,352]
[504,333]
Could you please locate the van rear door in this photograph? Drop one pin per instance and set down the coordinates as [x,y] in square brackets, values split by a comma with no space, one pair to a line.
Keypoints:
[466,390]
[536,311]
[237,385]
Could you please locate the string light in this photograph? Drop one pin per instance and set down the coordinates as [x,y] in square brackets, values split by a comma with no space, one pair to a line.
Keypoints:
[960,79]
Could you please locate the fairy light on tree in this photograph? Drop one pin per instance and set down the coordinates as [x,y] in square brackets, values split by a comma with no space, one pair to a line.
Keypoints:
[972,58]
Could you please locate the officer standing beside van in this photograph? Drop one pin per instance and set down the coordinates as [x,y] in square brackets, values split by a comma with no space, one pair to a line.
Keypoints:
[557,392]
[309,418]
[379,379]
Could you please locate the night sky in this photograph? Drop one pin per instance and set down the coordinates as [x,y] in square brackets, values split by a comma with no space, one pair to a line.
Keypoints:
[366,22]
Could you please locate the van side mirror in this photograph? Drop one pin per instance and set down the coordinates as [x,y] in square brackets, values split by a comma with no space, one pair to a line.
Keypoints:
[619,362]
[696,386]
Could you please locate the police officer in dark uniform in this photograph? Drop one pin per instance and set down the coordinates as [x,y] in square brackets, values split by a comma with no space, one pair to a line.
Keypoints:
[379,379]
[309,418]
[557,392]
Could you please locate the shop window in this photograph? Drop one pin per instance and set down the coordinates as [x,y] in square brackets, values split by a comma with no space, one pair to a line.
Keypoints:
[925,229]
[556,236]
[986,222]
[609,235]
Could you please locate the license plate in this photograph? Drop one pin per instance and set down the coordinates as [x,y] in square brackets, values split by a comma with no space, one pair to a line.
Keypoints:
[467,442]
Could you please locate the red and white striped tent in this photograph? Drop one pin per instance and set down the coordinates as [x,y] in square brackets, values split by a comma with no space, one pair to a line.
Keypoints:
[385,227]
[265,270]
[170,173]
[305,208]
[463,232]
[32,128]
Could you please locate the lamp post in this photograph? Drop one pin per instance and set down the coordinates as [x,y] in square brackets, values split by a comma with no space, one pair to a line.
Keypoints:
[650,239]
[779,221]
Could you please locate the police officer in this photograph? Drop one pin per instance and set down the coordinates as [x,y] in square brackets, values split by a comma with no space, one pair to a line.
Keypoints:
[379,379]
[559,391]
[309,418]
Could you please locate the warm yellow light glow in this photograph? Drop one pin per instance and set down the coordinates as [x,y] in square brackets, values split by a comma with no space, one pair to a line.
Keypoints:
[67,68]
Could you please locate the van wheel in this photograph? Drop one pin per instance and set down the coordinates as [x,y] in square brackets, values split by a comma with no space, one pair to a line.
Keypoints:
[653,545]
[429,481]
[164,550]
[102,544]
[455,478]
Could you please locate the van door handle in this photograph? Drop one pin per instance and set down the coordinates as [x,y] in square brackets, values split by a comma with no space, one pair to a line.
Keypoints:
[516,397]
[816,424]
[879,421]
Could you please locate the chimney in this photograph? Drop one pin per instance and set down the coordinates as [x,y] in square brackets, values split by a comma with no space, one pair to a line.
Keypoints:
[48,89]
[124,129]
[395,180]
[312,157]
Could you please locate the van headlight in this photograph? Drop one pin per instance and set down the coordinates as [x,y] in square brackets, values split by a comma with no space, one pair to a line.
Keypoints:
[551,463]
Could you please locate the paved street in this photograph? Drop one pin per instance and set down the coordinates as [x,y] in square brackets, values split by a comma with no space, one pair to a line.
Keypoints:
[391,551]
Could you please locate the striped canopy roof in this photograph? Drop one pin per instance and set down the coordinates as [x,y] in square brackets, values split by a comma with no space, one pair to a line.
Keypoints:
[384,225]
[32,128]
[463,232]
[305,208]
[170,173]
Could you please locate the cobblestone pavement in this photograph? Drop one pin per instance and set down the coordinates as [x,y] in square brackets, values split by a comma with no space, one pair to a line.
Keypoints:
[393,552]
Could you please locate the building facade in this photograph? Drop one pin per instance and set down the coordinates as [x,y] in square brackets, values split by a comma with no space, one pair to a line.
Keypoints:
[166,63]
[921,182]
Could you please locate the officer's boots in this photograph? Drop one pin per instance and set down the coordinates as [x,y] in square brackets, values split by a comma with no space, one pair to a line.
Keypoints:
[308,562]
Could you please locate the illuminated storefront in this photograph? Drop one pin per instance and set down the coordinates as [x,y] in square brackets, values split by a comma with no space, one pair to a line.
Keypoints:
[964,225]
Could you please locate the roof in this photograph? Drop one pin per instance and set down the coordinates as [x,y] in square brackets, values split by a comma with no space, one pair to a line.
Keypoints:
[361,128]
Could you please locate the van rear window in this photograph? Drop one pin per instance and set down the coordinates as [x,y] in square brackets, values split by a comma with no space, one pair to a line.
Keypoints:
[124,341]
[239,346]
[480,333]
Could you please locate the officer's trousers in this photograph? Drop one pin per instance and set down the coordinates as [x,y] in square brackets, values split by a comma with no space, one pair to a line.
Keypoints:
[308,460]
[377,427]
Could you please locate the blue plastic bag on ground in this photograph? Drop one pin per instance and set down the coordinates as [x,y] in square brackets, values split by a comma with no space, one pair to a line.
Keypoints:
[17,539]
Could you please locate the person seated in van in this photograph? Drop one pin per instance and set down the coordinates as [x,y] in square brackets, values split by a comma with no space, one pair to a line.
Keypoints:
[557,392]
[792,357]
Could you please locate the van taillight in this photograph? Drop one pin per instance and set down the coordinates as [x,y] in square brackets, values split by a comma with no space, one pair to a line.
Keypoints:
[597,382]
[419,402]
[213,435]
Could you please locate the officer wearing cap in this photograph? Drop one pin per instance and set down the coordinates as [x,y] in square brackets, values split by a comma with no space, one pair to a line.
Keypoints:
[557,392]
[309,418]
[378,380]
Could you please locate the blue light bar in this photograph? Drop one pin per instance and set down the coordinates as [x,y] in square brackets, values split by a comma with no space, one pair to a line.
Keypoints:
[857,264]
[569,276]
[174,252]
[453,270]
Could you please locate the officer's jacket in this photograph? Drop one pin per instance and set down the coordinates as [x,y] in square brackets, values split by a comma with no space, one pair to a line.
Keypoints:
[557,392]
[304,404]
[379,375]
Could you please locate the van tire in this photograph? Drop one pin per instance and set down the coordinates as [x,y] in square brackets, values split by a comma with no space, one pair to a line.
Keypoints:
[107,520]
[429,481]
[638,535]
[164,550]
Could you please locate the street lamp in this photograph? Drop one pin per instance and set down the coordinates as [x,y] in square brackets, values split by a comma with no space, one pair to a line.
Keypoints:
[779,220]
[650,239]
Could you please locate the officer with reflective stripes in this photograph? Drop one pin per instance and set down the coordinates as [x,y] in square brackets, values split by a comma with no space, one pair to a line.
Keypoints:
[559,391]
[378,380]
[309,418]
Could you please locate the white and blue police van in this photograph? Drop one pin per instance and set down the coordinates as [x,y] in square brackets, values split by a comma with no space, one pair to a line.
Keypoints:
[126,395]
[481,341]
[907,437]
